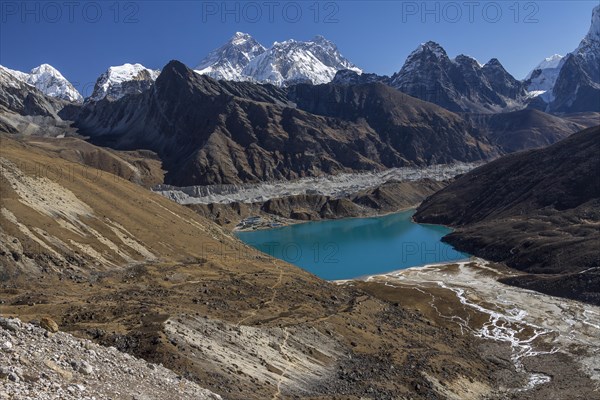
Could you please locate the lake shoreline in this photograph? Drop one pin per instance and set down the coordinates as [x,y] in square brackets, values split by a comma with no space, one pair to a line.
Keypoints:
[355,247]
[290,222]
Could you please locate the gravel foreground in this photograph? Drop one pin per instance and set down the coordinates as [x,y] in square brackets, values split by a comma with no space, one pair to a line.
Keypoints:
[37,364]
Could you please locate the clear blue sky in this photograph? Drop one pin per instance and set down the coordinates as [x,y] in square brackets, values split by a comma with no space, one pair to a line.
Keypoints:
[85,38]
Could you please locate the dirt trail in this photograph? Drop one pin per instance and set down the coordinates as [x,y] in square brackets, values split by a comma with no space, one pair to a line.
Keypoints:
[266,303]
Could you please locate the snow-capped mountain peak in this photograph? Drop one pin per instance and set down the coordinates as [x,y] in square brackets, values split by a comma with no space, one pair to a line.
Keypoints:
[463,58]
[594,32]
[577,87]
[228,61]
[432,47]
[542,78]
[315,61]
[240,38]
[49,81]
[121,80]
[290,61]
[550,62]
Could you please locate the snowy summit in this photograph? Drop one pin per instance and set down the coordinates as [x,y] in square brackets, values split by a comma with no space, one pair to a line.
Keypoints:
[49,81]
[122,80]
[244,59]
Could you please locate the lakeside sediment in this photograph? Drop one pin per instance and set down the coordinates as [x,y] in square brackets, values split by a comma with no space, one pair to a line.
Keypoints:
[552,340]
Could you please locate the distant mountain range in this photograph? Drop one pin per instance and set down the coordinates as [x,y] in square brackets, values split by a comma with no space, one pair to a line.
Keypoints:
[242,132]
[558,84]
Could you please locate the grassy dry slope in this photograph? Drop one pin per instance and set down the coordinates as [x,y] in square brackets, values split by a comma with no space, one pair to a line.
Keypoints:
[112,261]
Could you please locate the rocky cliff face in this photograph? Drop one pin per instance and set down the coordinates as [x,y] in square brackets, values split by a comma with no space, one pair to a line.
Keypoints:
[575,89]
[460,84]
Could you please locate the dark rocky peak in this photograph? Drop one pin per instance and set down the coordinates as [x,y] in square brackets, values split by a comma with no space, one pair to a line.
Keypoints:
[501,81]
[349,77]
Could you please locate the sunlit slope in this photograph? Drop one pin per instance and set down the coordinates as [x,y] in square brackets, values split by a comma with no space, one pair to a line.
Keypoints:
[58,215]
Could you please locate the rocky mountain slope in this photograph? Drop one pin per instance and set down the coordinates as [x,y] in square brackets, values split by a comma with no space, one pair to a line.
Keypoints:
[385,110]
[49,81]
[525,129]
[26,110]
[21,98]
[40,364]
[242,58]
[243,132]
[538,211]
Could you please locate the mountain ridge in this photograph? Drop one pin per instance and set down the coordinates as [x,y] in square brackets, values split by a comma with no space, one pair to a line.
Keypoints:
[536,210]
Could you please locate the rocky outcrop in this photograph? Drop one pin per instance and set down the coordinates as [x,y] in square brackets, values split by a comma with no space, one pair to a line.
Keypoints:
[36,364]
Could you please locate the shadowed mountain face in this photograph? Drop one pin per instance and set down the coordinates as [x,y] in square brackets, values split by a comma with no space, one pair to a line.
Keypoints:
[385,108]
[524,129]
[538,211]
[209,132]
[460,84]
[422,131]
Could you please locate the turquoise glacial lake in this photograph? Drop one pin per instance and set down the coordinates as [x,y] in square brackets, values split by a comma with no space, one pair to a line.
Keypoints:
[355,247]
